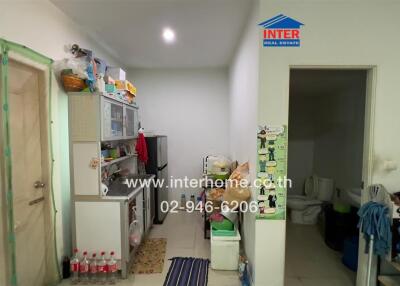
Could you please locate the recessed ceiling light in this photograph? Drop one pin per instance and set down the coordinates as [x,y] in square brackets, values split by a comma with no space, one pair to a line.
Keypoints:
[168,35]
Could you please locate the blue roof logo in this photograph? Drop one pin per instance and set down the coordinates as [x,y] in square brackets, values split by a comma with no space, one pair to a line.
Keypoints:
[281,31]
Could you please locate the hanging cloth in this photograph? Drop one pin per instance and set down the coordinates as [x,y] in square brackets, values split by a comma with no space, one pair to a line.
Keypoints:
[141,148]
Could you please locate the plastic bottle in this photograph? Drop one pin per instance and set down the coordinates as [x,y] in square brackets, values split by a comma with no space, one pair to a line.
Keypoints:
[74,266]
[183,201]
[93,269]
[193,199]
[84,269]
[112,269]
[102,269]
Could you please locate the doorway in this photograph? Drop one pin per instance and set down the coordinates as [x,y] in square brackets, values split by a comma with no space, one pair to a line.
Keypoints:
[328,114]
[28,135]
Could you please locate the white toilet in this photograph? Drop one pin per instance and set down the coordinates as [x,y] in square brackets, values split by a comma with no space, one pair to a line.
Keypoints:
[305,209]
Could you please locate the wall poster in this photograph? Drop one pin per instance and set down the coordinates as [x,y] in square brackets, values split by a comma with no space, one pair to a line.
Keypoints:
[271,172]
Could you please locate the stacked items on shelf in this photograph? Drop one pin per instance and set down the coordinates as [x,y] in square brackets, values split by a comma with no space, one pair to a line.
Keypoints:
[217,167]
[111,152]
[86,73]
[116,85]
[113,156]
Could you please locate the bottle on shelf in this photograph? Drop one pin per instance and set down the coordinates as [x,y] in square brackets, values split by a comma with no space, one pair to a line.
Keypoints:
[102,269]
[93,269]
[112,269]
[74,266]
[84,269]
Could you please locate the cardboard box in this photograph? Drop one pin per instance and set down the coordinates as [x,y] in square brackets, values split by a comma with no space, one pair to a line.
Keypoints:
[116,73]
[125,85]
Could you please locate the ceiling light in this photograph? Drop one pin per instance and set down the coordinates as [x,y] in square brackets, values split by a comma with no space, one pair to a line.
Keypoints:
[168,35]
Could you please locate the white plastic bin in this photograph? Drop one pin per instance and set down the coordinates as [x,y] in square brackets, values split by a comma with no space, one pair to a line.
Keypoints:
[225,252]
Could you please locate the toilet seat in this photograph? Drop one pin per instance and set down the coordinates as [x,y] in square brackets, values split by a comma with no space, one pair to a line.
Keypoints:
[305,209]
[301,202]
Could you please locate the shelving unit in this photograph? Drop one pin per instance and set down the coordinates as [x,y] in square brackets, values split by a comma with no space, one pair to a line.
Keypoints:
[105,164]
[101,222]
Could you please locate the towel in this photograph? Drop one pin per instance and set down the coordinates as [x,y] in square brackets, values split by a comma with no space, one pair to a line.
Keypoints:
[141,148]
[374,220]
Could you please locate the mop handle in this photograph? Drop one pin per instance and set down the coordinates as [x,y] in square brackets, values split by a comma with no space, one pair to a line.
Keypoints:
[370,255]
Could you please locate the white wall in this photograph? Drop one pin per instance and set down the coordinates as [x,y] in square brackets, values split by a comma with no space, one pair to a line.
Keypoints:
[243,115]
[351,39]
[41,26]
[338,142]
[326,127]
[190,106]
[301,142]
[300,163]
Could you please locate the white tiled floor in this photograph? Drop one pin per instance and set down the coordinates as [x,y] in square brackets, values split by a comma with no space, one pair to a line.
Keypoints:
[184,233]
[309,262]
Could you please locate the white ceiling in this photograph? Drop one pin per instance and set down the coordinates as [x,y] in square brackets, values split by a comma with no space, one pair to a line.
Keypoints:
[207,31]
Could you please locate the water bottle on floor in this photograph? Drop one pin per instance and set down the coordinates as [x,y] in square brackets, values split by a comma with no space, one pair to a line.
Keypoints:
[183,201]
[84,269]
[93,269]
[112,269]
[74,266]
[102,269]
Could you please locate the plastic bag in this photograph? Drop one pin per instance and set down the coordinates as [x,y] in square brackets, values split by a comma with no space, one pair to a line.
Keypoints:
[135,233]
[237,189]
[77,65]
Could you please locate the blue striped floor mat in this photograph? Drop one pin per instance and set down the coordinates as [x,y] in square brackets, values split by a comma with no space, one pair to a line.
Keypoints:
[187,271]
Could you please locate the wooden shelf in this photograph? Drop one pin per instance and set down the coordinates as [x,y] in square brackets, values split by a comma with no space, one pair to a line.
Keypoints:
[389,280]
[104,164]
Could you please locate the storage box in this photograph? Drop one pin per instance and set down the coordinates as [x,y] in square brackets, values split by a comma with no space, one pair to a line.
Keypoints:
[116,73]
[225,252]
[110,88]
[125,85]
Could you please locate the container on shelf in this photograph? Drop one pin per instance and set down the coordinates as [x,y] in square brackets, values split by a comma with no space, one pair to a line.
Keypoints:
[125,85]
[72,83]
[110,87]
[114,153]
[116,73]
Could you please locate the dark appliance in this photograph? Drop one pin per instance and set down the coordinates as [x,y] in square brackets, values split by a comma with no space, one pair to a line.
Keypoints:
[157,149]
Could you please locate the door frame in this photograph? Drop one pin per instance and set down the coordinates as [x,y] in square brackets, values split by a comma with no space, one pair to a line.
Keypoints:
[23,55]
[368,147]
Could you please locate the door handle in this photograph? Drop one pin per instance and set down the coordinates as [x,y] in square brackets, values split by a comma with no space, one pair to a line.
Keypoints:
[39,185]
[36,201]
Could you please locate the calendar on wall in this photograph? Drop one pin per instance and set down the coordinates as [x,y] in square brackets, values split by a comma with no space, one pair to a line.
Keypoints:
[272,183]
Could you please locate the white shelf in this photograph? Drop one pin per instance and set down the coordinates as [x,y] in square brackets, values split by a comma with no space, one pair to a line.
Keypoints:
[389,280]
[105,94]
[104,164]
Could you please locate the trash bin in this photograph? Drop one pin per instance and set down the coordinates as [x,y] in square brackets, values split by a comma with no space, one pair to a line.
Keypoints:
[339,226]
[225,252]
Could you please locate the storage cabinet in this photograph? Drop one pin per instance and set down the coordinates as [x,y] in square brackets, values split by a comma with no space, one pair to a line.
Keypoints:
[119,121]
[112,119]
[101,222]
[97,117]
[131,121]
